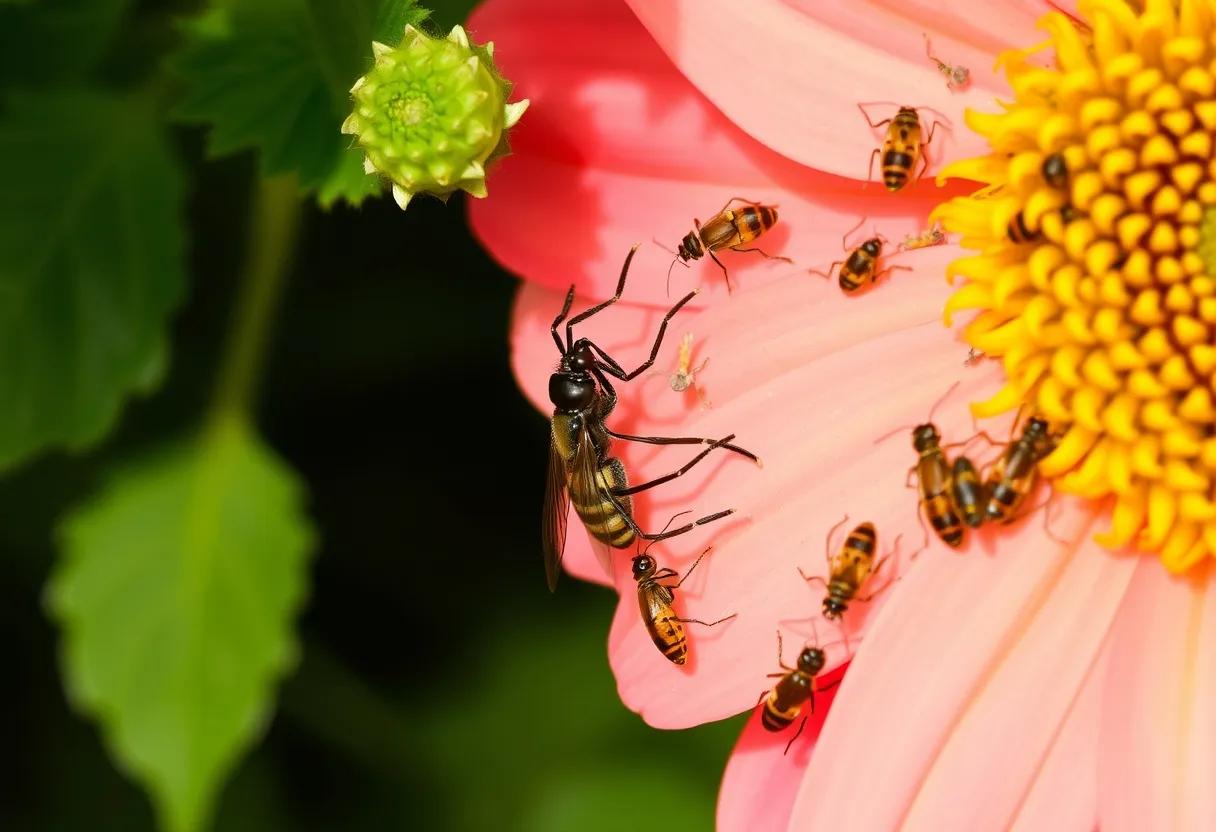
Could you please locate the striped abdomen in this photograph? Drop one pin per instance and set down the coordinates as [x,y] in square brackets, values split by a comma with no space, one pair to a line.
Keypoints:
[752,221]
[968,492]
[665,627]
[901,149]
[933,476]
[1019,232]
[785,700]
[603,520]
[857,270]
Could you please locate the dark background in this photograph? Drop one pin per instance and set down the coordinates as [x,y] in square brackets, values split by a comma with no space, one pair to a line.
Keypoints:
[440,686]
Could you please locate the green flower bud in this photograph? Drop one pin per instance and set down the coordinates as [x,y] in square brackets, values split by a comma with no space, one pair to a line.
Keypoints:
[431,114]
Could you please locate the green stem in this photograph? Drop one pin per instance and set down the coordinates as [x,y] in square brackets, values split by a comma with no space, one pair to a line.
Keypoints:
[276,222]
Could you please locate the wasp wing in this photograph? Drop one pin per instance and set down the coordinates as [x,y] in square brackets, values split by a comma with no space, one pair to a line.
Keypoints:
[553,517]
[588,484]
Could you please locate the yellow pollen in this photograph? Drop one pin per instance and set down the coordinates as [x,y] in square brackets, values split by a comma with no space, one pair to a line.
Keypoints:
[1094,264]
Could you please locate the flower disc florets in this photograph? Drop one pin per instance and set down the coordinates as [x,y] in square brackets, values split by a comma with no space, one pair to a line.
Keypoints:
[431,113]
[1097,289]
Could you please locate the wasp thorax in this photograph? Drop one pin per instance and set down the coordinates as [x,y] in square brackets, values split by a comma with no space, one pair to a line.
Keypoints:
[643,567]
[925,437]
[571,391]
[811,660]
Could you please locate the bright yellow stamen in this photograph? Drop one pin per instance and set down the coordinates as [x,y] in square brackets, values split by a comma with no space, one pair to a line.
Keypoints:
[1104,314]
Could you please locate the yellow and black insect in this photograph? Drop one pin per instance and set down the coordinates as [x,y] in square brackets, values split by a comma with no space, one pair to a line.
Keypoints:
[1055,171]
[657,600]
[849,569]
[1014,474]
[902,147]
[581,471]
[730,228]
[797,687]
[933,479]
[1019,232]
[967,491]
[861,266]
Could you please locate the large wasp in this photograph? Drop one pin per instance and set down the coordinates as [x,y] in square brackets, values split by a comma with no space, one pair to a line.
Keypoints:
[581,471]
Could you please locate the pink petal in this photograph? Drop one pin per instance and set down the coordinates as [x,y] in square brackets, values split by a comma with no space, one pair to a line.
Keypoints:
[619,148]
[1064,794]
[946,677]
[760,780]
[805,318]
[792,73]
[1158,729]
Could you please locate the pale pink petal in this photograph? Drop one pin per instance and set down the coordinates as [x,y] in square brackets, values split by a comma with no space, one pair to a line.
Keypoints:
[1064,795]
[792,73]
[1157,723]
[943,684]
[619,148]
[760,780]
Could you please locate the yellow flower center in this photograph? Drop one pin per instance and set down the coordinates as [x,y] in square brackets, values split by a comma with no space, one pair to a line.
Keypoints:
[1095,271]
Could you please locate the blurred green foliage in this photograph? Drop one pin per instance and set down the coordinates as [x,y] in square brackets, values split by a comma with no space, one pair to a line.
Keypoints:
[439,686]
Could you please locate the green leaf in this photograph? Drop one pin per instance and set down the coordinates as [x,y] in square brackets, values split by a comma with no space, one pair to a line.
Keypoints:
[55,40]
[91,248]
[275,76]
[176,594]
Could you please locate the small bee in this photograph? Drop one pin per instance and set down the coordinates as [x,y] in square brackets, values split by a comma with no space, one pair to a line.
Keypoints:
[967,491]
[581,471]
[656,601]
[957,77]
[851,567]
[729,228]
[861,266]
[798,686]
[685,375]
[935,236]
[901,148]
[1014,474]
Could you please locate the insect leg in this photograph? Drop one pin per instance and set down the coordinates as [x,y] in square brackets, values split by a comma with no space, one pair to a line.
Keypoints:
[694,566]
[810,579]
[870,171]
[636,489]
[866,116]
[683,440]
[658,342]
[920,514]
[908,479]
[827,540]
[888,270]
[828,273]
[705,624]
[725,273]
[560,317]
[798,733]
[599,307]
[637,530]
[763,253]
[932,127]
[739,199]
[924,163]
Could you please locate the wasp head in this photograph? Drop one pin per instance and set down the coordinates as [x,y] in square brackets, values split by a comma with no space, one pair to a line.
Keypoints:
[925,436]
[872,246]
[690,247]
[833,609]
[572,387]
[643,567]
[811,660]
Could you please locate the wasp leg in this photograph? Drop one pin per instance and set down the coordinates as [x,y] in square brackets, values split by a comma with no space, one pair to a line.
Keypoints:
[763,253]
[870,171]
[828,273]
[888,270]
[866,116]
[616,371]
[599,307]
[932,128]
[780,660]
[908,479]
[924,164]
[729,288]
[810,579]
[561,316]
[664,535]
[635,489]
[706,624]
[739,199]
[684,440]
[827,540]
[920,514]
[798,733]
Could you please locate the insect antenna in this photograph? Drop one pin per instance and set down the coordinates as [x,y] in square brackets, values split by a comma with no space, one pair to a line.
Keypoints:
[651,543]
[932,411]
[844,241]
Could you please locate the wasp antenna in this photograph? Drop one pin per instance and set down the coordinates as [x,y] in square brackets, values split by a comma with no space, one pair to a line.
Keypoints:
[945,396]
[844,241]
[890,433]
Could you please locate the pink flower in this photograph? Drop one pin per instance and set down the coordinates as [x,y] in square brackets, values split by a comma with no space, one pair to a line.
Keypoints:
[1033,678]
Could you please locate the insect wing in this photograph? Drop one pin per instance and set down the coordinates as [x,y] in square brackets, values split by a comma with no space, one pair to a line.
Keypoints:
[586,481]
[554,515]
